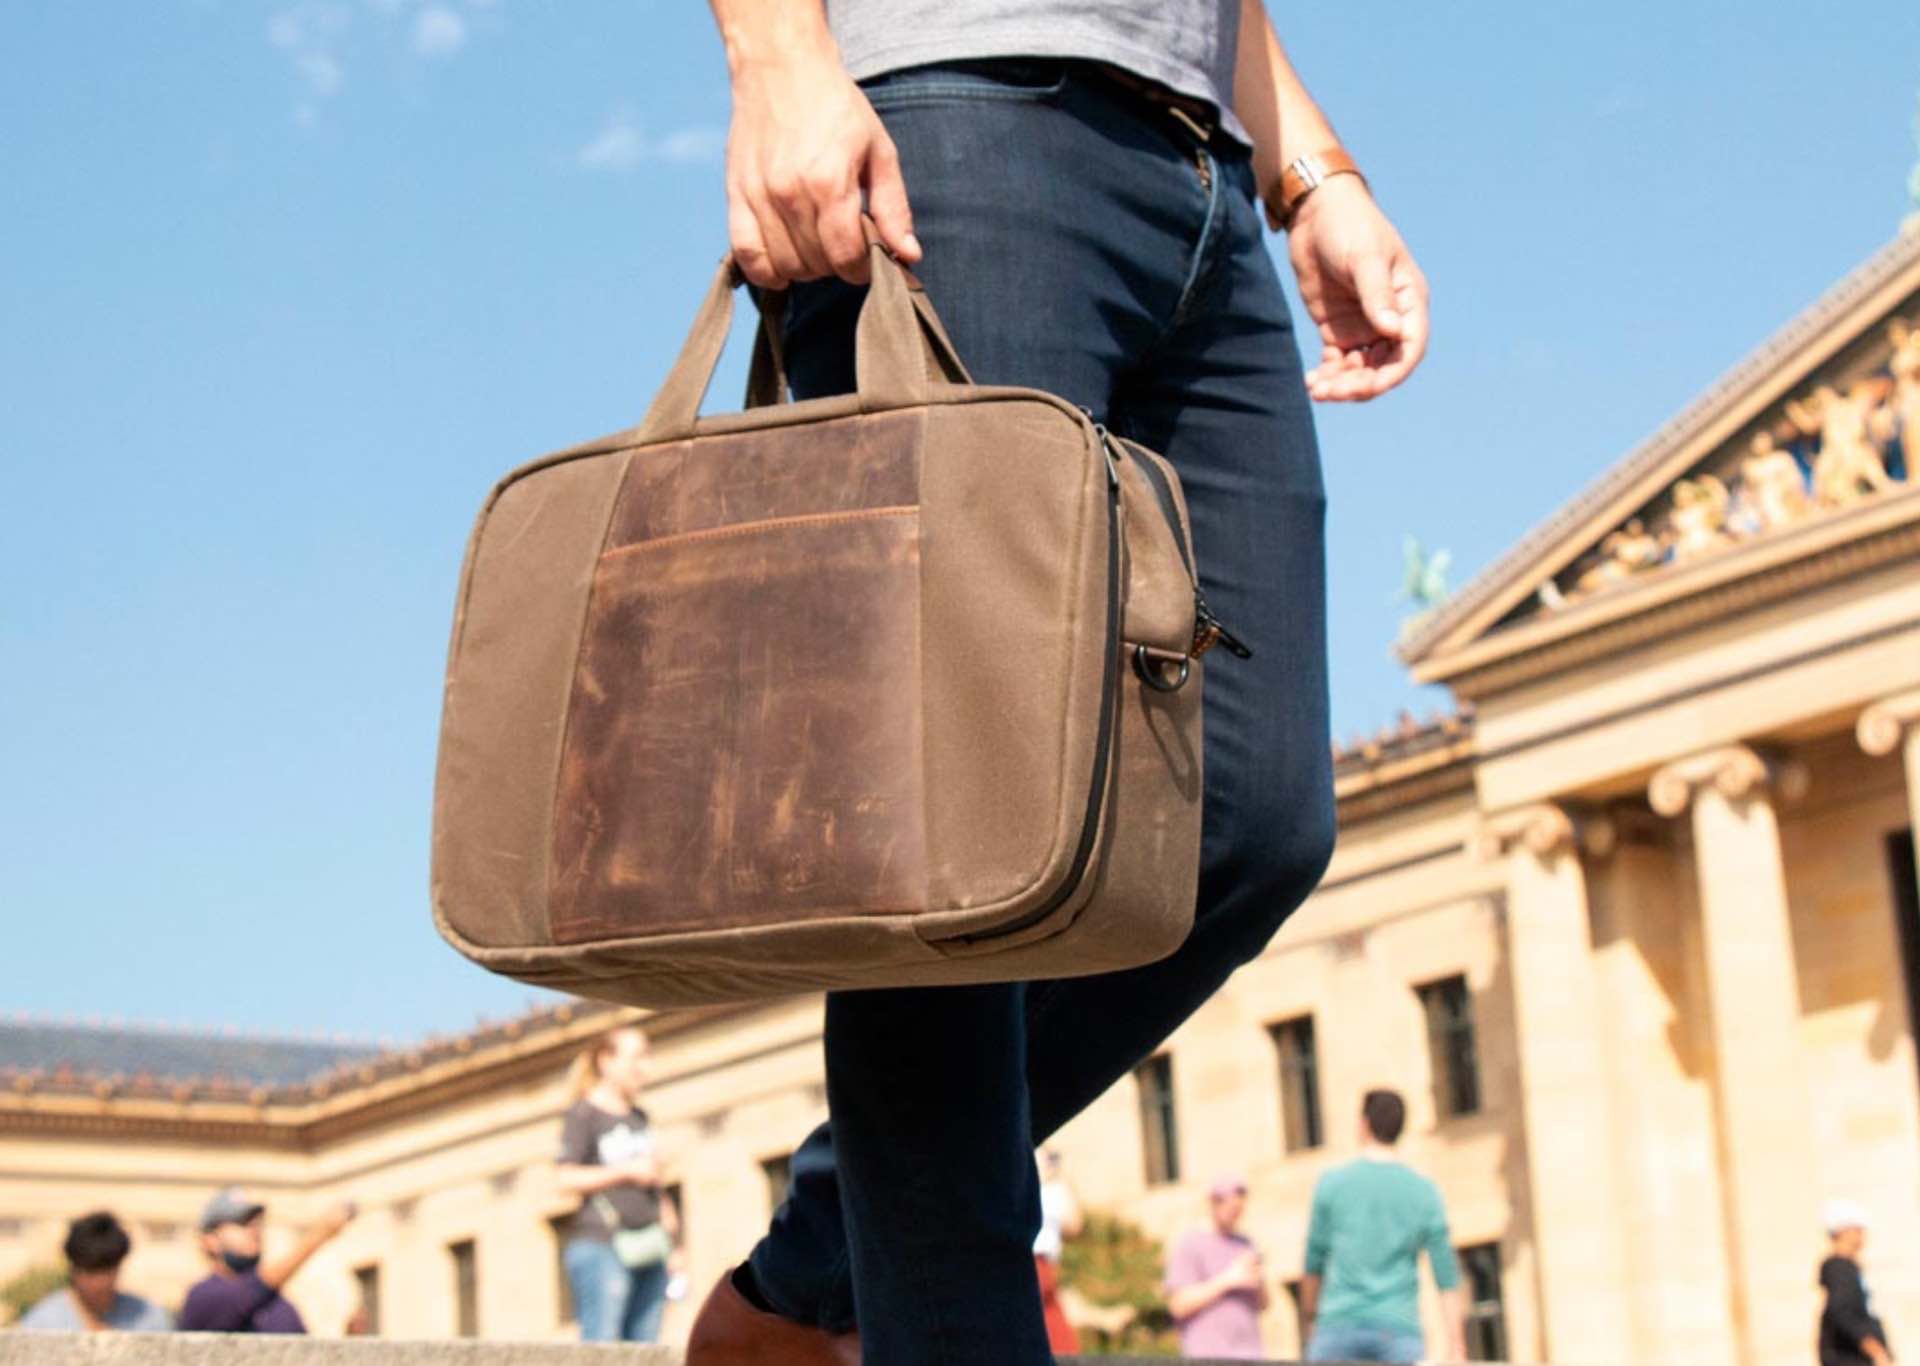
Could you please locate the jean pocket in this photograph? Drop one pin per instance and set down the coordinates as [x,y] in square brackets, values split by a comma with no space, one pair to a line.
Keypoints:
[1027,80]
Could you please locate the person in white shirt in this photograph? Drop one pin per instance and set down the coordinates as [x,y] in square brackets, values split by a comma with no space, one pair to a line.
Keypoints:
[1060,1219]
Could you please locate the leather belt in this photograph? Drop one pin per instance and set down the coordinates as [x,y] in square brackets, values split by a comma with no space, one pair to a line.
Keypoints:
[1201,117]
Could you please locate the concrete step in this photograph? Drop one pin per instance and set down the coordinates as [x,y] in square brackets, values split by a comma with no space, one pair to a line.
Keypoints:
[217,1349]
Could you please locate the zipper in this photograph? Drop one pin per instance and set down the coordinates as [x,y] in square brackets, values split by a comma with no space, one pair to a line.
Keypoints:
[1207,628]
[1103,750]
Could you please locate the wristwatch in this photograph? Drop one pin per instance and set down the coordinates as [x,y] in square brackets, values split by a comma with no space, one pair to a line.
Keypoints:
[1304,175]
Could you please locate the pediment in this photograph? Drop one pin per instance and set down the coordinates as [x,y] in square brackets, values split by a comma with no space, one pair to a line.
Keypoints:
[1814,433]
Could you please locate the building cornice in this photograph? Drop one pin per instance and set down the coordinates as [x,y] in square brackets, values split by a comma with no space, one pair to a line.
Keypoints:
[393,1086]
[1830,551]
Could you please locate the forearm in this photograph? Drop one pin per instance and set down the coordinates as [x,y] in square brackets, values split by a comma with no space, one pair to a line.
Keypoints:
[587,1179]
[1189,1300]
[279,1271]
[1309,1297]
[1270,100]
[759,33]
[1453,1313]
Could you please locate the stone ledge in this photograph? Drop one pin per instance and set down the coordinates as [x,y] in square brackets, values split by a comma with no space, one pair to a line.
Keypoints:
[219,1349]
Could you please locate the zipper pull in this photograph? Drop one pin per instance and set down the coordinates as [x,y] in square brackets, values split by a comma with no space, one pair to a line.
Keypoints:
[1106,449]
[1208,632]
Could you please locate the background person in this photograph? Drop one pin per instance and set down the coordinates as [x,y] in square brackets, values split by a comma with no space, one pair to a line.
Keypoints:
[242,1293]
[1371,1219]
[607,1158]
[1850,1334]
[91,1300]
[1216,1286]
[1060,1219]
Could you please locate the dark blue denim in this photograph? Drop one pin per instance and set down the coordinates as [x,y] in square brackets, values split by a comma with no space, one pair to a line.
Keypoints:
[1082,240]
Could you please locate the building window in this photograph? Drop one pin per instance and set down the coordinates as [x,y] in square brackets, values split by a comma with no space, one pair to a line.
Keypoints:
[560,1226]
[1906,914]
[1299,1083]
[1486,1309]
[1159,1131]
[466,1288]
[779,1174]
[1456,1064]
[368,1279]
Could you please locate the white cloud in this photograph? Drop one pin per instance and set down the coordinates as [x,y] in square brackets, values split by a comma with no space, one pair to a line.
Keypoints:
[700,143]
[438,32]
[313,36]
[621,144]
[309,33]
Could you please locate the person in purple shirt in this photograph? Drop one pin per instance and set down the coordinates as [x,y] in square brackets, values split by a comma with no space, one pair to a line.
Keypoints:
[241,1294]
[1215,1286]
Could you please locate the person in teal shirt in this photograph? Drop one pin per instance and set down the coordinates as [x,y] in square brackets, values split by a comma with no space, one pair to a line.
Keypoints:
[1360,1296]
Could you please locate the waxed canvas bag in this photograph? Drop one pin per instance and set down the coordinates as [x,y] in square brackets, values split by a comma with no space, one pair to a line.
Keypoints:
[885,688]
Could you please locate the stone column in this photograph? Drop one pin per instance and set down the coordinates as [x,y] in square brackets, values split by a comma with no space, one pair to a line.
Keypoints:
[1566,1100]
[1890,724]
[1766,1134]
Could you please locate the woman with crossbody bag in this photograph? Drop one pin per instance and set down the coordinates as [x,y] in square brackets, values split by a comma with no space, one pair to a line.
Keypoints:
[621,1242]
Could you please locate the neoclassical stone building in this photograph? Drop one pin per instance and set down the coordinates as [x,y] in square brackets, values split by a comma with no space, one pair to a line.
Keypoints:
[1635,928]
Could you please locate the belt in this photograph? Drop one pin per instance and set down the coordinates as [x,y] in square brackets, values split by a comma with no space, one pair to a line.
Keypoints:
[1201,117]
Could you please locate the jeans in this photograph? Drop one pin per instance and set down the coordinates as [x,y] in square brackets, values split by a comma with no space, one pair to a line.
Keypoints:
[1081,240]
[613,1301]
[1355,1342]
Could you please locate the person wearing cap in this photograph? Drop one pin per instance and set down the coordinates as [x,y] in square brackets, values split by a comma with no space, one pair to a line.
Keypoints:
[1360,1295]
[91,1301]
[242,1292]
[1216,1287]
[1850,1334]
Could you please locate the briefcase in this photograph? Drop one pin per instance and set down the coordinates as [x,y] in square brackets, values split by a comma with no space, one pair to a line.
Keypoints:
[895,687]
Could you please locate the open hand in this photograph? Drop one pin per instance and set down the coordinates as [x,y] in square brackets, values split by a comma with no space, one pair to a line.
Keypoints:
[1362,288]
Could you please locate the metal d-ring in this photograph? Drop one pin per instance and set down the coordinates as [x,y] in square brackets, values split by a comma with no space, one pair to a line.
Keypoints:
[1148,668]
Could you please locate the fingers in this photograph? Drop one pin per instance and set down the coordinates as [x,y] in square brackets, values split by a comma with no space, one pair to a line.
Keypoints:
[801,225]
[887,200]
[750,251]
[1354,367]
[795,197]
[1372,283]
[842,239]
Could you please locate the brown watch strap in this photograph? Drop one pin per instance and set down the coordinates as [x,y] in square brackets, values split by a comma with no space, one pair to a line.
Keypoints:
[1303,175]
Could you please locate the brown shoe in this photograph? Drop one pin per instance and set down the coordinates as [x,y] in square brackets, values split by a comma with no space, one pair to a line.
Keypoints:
[731,1332]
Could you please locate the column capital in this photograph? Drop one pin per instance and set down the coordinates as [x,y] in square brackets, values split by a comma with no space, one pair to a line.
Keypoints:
[1885,724]
[1546,830]
[1734,771]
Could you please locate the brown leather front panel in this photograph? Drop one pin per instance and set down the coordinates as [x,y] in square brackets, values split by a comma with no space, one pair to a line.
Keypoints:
[744,743]
[836,466]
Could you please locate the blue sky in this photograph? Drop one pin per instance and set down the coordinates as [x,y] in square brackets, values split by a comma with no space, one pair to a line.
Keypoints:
[285,285]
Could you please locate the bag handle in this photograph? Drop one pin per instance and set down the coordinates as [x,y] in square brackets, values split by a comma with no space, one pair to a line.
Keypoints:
[899,345]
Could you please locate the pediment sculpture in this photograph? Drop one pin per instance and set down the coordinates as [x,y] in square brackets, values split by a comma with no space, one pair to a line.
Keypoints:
[1832,447]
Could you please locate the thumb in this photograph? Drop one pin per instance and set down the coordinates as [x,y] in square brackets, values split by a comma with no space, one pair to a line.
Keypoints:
[887,200]
[1371,281]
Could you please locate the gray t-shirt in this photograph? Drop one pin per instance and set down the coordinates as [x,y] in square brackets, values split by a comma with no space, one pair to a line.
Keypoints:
[57,1313]
[590,1137]
[1188,45]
